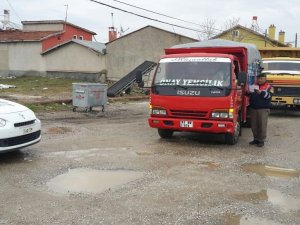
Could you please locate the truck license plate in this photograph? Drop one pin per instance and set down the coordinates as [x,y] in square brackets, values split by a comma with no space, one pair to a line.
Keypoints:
[186,124]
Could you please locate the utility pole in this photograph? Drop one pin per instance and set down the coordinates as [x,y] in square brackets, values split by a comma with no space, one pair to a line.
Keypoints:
[296,38]
[66,17]
[266,38]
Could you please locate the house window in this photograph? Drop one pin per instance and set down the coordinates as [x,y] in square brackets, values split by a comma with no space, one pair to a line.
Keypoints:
[235,33]
[80,37]
[74,36]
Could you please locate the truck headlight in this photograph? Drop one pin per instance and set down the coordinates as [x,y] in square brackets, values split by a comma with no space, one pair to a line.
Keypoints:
[158,112]
[2,122]
[222,114]
[296,101]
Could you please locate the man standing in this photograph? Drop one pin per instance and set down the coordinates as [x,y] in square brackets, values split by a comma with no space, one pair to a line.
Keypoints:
[260,102]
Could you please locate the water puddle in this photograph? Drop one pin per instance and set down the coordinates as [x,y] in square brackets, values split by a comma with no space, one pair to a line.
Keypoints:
[59,130]
[88,181]
[247,220]
[284,202]
[273,171]
[90,153]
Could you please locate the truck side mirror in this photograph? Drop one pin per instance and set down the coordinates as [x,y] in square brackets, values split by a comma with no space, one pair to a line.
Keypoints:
[139,78]
[242,78]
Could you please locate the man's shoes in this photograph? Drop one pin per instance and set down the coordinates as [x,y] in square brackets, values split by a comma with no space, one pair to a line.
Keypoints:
[254,142]
[260,144]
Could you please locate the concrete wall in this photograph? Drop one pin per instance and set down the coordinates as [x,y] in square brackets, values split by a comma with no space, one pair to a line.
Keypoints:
[21,58]
[74,57]
[126,53]
[3,59]
[70,61]
[43,27]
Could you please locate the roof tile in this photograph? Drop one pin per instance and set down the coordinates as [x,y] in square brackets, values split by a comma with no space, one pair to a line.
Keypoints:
[17,35]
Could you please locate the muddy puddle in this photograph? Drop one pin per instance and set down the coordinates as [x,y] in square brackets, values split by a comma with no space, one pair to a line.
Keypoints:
[89,181]
[59,130]
[279,200]
[272,171]
[210,165]
[247,220]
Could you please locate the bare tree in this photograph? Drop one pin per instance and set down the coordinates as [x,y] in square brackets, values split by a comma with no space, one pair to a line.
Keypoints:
[208,28]
[231,23]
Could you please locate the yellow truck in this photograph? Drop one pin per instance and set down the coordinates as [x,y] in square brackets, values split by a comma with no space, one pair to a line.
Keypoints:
[283,73]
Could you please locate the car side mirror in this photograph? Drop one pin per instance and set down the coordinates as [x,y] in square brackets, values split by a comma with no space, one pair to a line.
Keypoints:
[139,78]
[242,78]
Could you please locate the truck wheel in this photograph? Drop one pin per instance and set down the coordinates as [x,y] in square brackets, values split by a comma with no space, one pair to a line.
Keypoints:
[232,139]
[163,133]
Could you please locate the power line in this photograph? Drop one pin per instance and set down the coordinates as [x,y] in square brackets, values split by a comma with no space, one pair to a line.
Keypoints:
[13,10]
[161,14]
[145,17]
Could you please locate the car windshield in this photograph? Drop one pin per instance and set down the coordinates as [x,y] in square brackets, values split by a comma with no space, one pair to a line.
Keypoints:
[194,72]
[292,67]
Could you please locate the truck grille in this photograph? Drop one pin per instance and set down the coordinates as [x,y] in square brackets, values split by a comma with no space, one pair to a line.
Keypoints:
[20,139]
[192,114]
[24,123]
[287,91]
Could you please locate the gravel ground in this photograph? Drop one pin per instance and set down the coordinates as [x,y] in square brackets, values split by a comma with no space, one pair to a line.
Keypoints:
[189,179]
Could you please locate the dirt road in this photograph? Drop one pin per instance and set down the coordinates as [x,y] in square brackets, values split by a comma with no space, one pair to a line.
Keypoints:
[111,168]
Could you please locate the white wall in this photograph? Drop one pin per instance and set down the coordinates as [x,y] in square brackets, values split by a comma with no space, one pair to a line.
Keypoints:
[25,56]
[3,58]
[74,57]
[43,27]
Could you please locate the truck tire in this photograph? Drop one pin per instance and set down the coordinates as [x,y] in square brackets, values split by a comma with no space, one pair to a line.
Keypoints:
[232,139]
[164,133]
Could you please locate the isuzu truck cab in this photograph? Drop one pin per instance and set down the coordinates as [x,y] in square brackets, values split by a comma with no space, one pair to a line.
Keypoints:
[200,87]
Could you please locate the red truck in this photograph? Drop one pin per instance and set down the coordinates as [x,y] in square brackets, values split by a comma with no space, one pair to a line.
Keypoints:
[200,87]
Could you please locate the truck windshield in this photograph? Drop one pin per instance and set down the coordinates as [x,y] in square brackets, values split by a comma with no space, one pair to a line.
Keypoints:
[282,67]
[194,73]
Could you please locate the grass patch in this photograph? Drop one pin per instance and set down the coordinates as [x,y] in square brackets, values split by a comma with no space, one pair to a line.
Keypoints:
[51,107]
[38,86]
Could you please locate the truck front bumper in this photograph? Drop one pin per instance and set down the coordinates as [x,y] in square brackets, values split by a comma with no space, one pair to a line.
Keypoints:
[285,102]
[205,126]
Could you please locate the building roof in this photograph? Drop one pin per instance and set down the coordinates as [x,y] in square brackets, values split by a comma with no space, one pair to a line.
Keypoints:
[95,46]
[18,35]
[276,43]
[149,26]
[56,22]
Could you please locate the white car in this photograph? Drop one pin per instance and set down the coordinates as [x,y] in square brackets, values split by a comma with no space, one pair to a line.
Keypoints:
[19,127]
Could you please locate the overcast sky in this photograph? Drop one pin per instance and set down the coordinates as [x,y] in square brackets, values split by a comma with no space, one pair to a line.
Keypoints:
[90,15]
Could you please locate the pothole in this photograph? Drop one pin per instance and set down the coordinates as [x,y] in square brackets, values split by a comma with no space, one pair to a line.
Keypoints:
[273,171]
[284,202]
[89,181]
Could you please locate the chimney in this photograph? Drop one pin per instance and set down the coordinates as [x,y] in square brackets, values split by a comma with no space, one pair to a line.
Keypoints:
[112,31]
[281,36]
[272,29]
[254,25]
[112,34]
